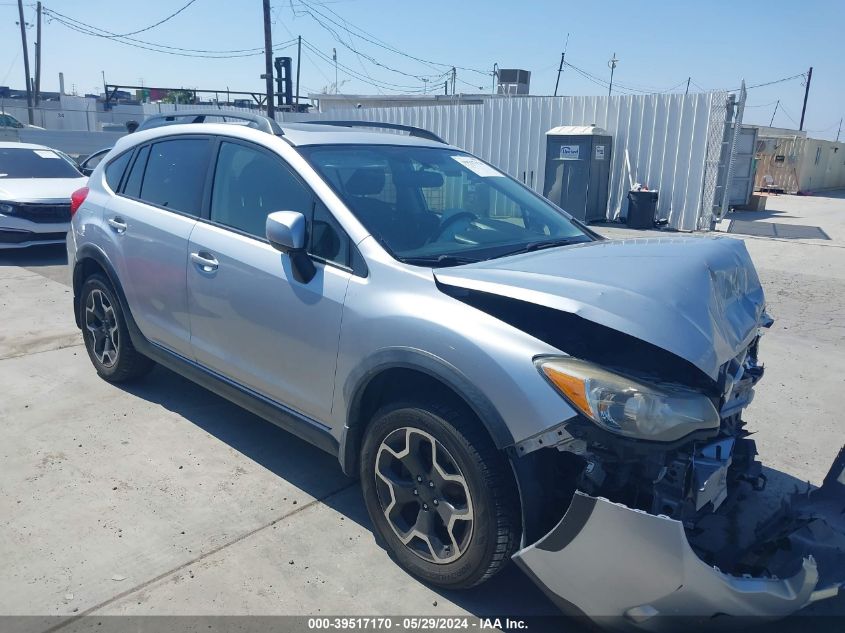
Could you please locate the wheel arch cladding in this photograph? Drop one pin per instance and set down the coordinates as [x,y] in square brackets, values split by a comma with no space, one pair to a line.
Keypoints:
[401,373]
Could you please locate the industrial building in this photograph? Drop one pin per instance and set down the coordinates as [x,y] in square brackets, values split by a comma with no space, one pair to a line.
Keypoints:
[789,161]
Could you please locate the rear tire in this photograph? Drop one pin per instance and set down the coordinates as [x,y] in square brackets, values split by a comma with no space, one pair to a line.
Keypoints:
[106,335]
[425,465]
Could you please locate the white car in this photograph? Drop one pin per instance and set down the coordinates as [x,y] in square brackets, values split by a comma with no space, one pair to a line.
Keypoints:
[36,184]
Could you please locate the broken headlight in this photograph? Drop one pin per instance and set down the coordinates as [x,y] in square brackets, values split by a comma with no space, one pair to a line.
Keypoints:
[627,406]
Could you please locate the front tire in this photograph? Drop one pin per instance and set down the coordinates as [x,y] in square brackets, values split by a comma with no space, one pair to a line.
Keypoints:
[105,333]
[439,493]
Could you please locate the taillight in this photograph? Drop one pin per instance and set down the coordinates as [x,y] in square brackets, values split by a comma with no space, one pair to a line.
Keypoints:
[76,199]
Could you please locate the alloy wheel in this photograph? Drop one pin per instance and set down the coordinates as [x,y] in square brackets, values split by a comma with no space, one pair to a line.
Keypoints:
[424,495]
[101,323]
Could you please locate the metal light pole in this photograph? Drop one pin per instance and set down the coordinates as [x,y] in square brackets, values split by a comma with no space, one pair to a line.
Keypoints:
[612,65]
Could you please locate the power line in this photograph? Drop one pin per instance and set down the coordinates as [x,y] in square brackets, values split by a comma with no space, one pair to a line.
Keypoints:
[372,39]
[87,29]
[160,22]
[356,75]
[788,116]
[350,46]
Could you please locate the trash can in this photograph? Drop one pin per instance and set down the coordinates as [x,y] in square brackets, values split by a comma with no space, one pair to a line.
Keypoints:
[642,209]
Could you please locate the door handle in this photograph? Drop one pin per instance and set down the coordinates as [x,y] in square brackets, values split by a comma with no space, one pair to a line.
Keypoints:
[205,261]
[117,224]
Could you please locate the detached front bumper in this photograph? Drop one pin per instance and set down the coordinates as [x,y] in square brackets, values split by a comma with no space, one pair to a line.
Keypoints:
[607,561]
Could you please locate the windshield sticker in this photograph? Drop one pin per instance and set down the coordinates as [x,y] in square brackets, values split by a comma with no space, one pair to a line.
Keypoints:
[44,153]
[477,167]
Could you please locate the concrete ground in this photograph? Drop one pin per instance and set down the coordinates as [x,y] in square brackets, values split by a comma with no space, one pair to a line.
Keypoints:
[162,498]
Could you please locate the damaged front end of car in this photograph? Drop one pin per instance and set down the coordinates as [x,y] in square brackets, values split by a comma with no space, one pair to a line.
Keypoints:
[646,535]
[643,505]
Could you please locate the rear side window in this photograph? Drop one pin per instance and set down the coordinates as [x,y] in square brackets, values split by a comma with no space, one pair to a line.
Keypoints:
[175,175]
[132,188]
[115,169]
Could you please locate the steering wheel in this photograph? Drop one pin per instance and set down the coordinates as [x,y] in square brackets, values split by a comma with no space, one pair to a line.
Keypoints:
[460,215]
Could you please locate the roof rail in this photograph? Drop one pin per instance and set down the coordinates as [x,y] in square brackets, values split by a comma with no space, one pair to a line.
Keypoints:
[255,121]
[410,129]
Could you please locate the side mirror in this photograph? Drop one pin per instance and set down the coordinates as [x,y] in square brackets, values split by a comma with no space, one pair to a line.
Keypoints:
[286,232]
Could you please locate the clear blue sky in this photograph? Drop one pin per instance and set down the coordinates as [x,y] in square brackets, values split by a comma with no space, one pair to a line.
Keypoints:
[659,45]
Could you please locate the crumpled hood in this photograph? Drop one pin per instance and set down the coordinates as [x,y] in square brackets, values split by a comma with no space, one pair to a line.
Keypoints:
[696,297]
[40,189]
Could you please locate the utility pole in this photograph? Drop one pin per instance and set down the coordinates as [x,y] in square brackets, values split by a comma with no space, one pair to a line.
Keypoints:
[562,58]
[38,55]
[268,59]
[689,79]
[806,94]
[454,78]
[612,65]
[495,76]
[25,62]
[334,59]
[298,65]
[839,130]
[446,87]
[772,122]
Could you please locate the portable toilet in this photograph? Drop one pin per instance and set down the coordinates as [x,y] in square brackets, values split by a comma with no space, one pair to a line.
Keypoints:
[578,170]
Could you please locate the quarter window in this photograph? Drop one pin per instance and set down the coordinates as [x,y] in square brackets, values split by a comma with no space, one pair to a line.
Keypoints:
[175,175]
[132,188]
[326,239]
[115,169]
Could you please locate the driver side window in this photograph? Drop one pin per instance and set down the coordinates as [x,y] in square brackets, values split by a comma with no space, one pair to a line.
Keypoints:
[249,185]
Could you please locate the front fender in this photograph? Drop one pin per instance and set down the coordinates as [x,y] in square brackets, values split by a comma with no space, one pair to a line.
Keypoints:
[386,359]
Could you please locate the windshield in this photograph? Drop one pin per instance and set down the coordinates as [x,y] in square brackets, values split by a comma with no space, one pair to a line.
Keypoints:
[34,163]
[439,206]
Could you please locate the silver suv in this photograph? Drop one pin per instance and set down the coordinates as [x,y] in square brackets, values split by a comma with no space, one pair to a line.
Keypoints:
[505,382]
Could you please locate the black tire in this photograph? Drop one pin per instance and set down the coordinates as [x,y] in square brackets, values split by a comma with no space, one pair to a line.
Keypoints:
[494,499]
[125,363]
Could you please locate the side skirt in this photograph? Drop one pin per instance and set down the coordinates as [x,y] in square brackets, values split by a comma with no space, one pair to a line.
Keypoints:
[303,427]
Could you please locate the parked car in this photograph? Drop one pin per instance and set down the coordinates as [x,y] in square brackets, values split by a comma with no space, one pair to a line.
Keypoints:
[8,121]
[505,382]
[92,160]
[36,184]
